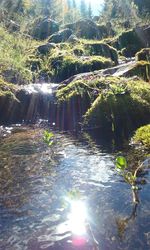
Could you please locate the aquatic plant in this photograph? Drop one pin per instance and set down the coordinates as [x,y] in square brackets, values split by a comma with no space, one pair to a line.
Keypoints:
[128,176]
[48,137]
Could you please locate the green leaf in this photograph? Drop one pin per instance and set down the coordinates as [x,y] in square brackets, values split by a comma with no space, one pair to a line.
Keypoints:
[121,163]
[47,137]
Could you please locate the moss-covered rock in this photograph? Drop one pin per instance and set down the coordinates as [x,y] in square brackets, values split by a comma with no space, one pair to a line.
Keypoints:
[131,41]
[7,99]
[69,59]
[143,55]
[45,48]
[88,29]
[42,28]
[115,104]
[7,89]
[64,66]
[85,28]
[142,136]
[61,36]
[103,49]
[140,69]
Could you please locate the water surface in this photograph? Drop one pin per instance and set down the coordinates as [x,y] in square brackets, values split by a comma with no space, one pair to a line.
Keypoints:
[34,184]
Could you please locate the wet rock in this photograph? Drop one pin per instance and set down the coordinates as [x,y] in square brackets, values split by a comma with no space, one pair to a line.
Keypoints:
[61,36]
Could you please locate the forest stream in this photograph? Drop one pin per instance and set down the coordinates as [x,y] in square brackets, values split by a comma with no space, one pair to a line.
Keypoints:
[75,125]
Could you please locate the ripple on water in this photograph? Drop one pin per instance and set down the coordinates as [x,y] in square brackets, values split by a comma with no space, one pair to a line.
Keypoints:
[34,185]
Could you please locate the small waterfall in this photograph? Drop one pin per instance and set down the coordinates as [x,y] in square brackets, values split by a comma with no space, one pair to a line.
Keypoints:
[35,101]
[38,102]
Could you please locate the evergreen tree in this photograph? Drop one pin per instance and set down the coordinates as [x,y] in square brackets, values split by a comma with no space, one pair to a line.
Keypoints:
[74,6]
[69,3]
[83,9]
[90,11]
[120,11]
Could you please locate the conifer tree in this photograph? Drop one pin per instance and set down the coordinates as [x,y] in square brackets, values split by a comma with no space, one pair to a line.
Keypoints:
[89,11]
[83,9]
[74,4]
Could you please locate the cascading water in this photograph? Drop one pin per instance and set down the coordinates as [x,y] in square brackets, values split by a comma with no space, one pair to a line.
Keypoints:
[35,101]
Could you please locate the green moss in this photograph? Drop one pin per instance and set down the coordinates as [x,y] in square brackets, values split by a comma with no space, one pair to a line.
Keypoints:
[142,135]
[143,55]
[102,49]
[63,66]
[117,104]
[7,89]
[130,42]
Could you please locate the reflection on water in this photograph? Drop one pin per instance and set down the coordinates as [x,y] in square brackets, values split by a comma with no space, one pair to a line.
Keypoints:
[77,217]
[33,184]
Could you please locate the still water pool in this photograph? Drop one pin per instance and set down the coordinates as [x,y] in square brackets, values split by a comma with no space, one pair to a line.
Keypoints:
[35,186]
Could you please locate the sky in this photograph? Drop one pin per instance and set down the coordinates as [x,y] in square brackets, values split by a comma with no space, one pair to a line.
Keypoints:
[96,5]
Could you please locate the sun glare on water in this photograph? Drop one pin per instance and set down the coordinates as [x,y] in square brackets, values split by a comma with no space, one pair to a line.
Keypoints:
[77,217]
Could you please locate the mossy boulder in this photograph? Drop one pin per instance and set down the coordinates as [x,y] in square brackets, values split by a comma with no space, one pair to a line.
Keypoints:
[88,29]
[131,41]
[143,55]
[12,75]
[46,48]
[42,28]
[85,28]
[102,49]
[7,99]
[142,137]
[6,88]
[64,66]
[61,36]
[140,69]
[69,59]
[114,104]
